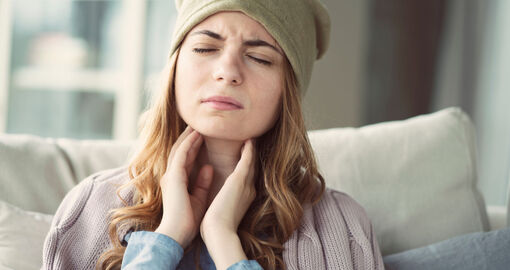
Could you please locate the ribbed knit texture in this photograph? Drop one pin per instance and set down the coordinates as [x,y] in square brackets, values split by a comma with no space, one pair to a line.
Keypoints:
[334,234]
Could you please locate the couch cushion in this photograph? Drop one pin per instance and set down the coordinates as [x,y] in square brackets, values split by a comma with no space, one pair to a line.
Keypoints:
[473,251]
[36,173]
[21,237]
[508,204]
[416,178]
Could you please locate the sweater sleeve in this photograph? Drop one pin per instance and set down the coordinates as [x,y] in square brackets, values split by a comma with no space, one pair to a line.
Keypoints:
[54,254]
[335,233]
[379,264]
[79,231]
[364,247]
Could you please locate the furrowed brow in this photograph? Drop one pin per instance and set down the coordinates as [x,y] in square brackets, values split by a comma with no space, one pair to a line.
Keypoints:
[259,42]
[208,33]
[248,43]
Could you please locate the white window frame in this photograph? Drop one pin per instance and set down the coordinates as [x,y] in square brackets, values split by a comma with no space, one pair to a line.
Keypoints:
[5,59]
[127,81]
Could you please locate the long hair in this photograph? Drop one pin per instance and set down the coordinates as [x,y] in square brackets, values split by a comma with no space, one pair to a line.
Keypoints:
[287,177]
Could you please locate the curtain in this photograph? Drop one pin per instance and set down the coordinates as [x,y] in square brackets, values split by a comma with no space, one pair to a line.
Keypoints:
[424,56]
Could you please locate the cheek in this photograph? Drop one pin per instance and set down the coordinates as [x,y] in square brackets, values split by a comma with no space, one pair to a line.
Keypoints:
[182,92]
[178,90]
[267,105]
[187,82]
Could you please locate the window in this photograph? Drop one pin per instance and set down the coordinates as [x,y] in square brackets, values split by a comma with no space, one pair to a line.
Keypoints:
[78,69]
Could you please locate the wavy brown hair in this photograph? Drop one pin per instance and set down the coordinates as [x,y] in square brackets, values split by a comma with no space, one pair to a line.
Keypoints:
[287,177]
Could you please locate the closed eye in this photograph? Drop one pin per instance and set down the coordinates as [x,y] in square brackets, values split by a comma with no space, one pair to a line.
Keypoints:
[264,62]
[201,50]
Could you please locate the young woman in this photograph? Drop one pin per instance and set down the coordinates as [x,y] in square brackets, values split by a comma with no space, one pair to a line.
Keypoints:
[225,176]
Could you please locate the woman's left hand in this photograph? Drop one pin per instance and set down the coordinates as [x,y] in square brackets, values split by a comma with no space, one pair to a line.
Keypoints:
[232,201]
[220,222]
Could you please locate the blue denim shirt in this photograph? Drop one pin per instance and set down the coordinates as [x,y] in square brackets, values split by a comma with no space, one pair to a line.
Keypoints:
[151,250]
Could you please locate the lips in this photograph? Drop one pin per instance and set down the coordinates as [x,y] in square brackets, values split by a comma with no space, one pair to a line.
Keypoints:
[223,103]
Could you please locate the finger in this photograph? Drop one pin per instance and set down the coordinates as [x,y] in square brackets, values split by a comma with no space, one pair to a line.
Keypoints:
[243,166]
[187,131]
[178,142]
[203,183]
[181,154]
[193,152]
[253,161]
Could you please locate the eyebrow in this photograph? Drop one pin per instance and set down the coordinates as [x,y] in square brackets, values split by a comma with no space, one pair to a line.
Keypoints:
[249,43]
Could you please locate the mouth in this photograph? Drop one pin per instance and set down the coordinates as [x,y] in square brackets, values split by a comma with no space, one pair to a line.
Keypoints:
[223,103]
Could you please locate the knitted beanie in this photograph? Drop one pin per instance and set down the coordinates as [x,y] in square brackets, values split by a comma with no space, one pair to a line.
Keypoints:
[301,27]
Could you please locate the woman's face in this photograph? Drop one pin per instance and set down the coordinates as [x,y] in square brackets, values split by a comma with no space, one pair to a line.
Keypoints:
[229,77]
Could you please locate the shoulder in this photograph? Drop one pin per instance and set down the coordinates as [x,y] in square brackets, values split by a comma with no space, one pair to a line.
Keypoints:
[104,187]
[337,205]
[332,197]
[79,230]
[334,233]
[336,214]
[336,218]
[341,202]
[96,190]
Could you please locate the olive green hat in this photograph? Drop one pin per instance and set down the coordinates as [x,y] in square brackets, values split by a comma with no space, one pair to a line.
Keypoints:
[301,27]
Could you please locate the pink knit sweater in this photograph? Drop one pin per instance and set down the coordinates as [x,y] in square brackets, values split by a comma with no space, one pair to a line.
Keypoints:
[334,234]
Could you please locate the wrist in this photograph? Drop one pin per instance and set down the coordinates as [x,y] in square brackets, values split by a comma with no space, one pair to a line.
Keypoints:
[225,248]
[213,233]
[177,237]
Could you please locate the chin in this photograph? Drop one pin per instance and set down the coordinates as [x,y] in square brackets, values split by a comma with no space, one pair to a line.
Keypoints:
[221,132]
[222,128]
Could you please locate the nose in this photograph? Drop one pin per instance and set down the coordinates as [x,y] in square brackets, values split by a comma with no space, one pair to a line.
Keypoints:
[228,70]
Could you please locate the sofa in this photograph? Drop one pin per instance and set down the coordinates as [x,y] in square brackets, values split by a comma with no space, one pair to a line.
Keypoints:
[416,178]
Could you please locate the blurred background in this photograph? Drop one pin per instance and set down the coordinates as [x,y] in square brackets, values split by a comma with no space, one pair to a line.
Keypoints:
[81,69]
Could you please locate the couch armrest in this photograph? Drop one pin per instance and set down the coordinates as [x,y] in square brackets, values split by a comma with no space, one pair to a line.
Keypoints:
[497,216]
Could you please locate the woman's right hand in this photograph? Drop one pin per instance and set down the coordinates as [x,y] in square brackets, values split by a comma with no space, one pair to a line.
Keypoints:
[182,211]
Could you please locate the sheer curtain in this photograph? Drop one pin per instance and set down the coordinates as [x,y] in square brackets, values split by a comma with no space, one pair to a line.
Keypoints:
[473,73]
[492,105]
[403,47]
[423,56]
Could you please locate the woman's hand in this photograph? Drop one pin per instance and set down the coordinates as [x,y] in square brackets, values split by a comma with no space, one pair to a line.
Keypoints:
[183,212]
[219,225]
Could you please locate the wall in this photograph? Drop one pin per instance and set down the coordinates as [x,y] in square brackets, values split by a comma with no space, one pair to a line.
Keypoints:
[334,98]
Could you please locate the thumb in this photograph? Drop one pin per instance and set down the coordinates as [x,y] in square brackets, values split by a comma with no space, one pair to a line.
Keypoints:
[202,184]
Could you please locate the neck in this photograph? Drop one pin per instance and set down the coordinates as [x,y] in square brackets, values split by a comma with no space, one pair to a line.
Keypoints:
[223,156]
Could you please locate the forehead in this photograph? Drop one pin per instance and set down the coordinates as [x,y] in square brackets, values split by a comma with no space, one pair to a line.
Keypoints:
[235,24]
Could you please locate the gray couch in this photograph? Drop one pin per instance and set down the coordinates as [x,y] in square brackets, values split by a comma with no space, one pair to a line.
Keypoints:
[416,178]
